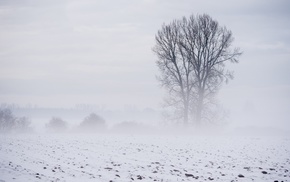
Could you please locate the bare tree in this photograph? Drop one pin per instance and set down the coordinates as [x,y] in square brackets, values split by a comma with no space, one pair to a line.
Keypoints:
[191,58]
[175,69]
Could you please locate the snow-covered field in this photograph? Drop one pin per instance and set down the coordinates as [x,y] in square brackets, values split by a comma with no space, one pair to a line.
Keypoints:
[143,158]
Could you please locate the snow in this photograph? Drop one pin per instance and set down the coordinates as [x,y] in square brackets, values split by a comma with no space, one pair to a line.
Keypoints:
[143,158]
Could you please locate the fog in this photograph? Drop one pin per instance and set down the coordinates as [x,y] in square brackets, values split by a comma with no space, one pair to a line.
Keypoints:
[56,56]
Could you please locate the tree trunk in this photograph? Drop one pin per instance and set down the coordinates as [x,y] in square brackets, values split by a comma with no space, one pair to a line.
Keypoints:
[186,112]
[199,108]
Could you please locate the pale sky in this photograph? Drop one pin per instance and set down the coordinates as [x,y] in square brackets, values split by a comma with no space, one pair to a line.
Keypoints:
[61,53]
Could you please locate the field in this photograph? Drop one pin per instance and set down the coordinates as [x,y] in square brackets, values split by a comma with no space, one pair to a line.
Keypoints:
[143,158]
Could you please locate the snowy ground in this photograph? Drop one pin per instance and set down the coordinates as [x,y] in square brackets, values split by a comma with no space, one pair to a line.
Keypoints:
[143,158]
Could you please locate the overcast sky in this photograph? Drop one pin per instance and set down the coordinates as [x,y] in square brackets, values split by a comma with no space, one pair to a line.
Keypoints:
[61,53]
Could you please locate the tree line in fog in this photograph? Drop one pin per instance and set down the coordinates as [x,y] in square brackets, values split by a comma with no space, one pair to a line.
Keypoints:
[93,123]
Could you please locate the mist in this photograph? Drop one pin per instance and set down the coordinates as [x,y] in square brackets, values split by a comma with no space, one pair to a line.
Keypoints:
[60,54]
[80,88]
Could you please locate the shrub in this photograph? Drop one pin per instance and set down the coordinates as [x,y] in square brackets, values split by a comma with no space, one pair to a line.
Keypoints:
[22,124]
[56,125]
[93,123]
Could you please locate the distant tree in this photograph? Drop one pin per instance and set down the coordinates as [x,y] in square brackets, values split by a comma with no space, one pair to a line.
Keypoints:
[9,122]
[56,125]
[191,58]
[93,123]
